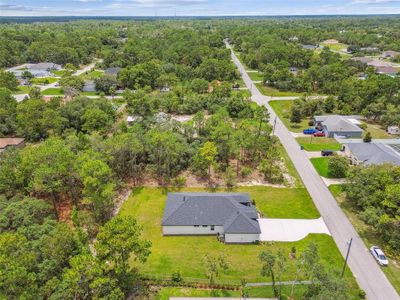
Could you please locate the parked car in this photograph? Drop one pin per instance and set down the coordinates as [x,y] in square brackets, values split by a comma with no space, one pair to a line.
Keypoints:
[309,131]
[319,134]
[378,254]
[327,152]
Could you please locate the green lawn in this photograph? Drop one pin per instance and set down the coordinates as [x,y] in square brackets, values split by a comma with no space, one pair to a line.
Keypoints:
[53,92]
[273,92]
[337,47]
[186,253]
[321,165]
[256,76]
[22,89]
[60,73]
[283,109]
[312,143]
[377,131]
[368,234]
[90,93]
[44,80]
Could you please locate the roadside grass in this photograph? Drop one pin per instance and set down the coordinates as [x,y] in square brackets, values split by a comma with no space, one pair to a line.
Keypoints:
[321,165]
[318,143]
[336,47]
[377,131]
[290,166]
[186,253]
[22,89]
[53,92]
[368,234]
[255,76]
[60,73]
[273,92]
[44,80]
[91,93]
[239,56]
[283,109]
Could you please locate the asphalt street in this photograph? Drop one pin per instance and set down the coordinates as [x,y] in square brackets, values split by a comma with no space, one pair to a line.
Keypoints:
[367,272]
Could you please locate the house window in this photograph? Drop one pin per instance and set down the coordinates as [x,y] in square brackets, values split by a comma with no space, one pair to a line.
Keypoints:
[196,225]
[212,227]
[204,225]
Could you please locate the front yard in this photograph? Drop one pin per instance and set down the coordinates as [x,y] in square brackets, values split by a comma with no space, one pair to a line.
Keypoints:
[318,143]
[321,165]
[186,253]
[368,234]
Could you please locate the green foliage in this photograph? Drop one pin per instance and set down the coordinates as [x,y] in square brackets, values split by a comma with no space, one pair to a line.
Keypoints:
[105,84]
[338,166]
[8,80]
[367,138]
[8,111]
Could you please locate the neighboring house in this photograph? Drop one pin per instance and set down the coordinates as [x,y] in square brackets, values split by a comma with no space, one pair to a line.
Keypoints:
[231,217]
[39,70]
[132,119]
[47,66]
[371,153]
[165,89]
[377,63]
[89,86]
[339,125]
[390,71]
[393,130]
[369,49]
[112,71]
[310,47]
[6,143]
[390,54]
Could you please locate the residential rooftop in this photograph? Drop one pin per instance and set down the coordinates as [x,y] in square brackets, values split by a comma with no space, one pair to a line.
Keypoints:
[374,153]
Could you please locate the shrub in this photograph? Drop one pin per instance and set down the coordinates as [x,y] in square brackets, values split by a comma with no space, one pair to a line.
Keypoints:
[363,126]
[338,166]
[179,182]
[245,171]
[367,138]
[177,277]
[311,123]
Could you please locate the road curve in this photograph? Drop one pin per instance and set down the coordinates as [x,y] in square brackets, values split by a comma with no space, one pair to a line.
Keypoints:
[366,271]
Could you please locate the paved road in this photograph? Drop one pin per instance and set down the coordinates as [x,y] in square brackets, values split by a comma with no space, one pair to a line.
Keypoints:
[366,271]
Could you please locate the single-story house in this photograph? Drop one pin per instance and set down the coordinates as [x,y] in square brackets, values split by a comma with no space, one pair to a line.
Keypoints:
[371,153]
[112,71]
[393,130]
[89,86]
[310,47]
[339,125]
[47,66]
[230,216]
[369,49]
[6,143]
[390,54]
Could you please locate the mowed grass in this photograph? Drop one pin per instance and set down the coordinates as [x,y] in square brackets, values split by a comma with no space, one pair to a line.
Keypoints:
[53,92]
[255,76]
[312,143]
[44,80]
[22,89]
[377,131]
[283,109]
[273,92]
[321,165]
[186,253]
[368,234]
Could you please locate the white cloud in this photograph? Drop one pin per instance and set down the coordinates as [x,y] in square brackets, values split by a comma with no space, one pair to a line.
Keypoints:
[374,1]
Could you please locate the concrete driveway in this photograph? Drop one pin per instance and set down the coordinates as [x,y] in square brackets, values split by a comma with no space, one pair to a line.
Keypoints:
[290,230]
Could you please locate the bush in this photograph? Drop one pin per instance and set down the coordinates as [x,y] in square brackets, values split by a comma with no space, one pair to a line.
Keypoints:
[177,277]
[363,126]
[230,178]
[338,166]
[311,123]
[179,182]
[367,138]
[245,171]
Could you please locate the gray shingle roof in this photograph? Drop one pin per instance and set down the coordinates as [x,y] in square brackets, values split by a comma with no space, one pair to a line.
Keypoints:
[233,211]
[336,123]
[374,153]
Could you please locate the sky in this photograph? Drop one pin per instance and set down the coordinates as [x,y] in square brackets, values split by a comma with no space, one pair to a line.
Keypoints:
[195,7]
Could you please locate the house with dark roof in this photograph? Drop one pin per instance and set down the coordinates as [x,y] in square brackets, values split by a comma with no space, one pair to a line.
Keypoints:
[390,54]
[112,71]
[230,216]
[371,153]
[6,143]
[332,125]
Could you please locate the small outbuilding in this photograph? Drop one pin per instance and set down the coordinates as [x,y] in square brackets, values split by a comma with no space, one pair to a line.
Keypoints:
[6,143]
[393,130]
[230,216]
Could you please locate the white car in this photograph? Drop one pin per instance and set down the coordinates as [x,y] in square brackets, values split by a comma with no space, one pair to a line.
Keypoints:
[378,254]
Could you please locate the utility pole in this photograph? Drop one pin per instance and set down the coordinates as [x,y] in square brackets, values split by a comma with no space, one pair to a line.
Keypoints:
[347,255]
[273,128]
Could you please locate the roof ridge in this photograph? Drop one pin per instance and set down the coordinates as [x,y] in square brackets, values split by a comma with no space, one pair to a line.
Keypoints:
[175,210]
[240,214]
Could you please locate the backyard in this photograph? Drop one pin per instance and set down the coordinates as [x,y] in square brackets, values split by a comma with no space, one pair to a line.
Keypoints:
[368,234]
[283,109]
[318,143]
[186,253]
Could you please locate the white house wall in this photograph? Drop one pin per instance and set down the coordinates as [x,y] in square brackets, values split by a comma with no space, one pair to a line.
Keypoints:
[191,230]
[241,238]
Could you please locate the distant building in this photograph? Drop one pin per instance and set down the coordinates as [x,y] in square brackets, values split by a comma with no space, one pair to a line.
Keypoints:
[378,63]
[231,217]
[6,143]
[339,125]
[362,59]
[132,119]
[389,54]
[112,71]
[89,86]
[331,42]
[369,49]
[310,47]
[165,89]
[393,130]
[371,154]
